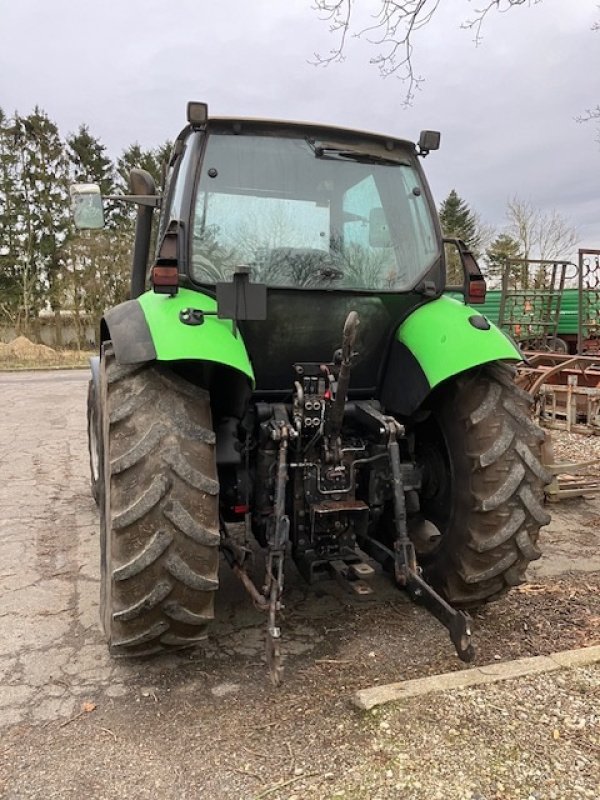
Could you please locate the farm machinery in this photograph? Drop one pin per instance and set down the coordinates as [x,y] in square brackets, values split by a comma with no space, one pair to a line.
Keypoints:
[289,362]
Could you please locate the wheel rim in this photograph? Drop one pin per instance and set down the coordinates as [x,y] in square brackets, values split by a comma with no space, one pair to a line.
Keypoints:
[436,495]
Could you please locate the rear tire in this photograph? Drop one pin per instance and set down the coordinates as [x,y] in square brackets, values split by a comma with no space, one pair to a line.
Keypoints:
[159,519]
[484,486]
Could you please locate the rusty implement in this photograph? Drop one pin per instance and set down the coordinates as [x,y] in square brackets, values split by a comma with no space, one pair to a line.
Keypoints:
[565,389]
[572,408]
[566,394]
[565,482]
[566,486]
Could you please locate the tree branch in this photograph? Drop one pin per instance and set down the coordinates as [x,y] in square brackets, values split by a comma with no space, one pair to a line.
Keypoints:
[339,15]
[588,114]
[395,24]
[501,6]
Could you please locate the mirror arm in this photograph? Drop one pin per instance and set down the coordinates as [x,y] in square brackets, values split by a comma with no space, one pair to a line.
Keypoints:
[152,200]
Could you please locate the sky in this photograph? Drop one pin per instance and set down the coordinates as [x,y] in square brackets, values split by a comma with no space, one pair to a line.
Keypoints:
[506,108]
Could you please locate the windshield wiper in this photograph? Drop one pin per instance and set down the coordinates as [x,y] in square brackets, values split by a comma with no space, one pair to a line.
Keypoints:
[337,152]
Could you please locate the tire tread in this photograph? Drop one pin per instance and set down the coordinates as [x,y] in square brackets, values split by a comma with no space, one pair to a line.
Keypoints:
[160,517]
[505,488]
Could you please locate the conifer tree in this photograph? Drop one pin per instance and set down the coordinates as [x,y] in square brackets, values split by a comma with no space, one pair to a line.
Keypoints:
[34,219]
[503,247]
[89,161]
[458,221]
[10,294]
[43,184]
[154,161]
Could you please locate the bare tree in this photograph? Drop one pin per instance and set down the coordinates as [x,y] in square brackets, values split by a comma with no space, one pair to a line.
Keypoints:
[589,113]
[394,26]
[540,234]
[485,234]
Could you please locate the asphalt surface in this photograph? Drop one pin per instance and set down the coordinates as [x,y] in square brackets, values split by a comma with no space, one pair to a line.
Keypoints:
[74,722]
[51,648]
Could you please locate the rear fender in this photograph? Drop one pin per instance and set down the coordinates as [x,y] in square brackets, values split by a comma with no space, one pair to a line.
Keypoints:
[151,328]
[438,340]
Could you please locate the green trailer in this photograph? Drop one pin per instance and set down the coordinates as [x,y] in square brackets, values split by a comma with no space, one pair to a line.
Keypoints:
[568,318]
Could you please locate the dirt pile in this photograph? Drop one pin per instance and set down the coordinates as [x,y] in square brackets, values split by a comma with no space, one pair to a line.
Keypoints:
[22,350]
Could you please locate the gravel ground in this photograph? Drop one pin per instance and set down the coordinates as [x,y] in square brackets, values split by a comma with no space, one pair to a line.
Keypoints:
[576,447]
[529,739]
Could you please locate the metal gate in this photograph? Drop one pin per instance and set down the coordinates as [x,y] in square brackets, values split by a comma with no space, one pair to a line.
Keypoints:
[588,333]
[530,301]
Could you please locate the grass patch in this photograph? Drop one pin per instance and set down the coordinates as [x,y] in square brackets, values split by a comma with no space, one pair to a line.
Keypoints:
[66,360]
[21,354]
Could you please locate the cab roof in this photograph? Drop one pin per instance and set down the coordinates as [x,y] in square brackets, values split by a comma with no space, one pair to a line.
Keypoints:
[306,129]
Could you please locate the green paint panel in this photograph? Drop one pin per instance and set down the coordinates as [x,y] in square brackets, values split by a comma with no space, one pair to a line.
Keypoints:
[568,320]
[445,343]
[212,341]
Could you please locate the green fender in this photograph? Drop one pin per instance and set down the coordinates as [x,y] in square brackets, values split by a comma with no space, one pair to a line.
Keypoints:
[444,342]
[212,341]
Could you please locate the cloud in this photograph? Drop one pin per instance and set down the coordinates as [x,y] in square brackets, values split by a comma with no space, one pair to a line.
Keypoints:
[506,109]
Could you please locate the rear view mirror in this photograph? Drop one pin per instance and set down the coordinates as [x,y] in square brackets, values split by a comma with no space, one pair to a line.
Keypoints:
[379,231]
[86,206]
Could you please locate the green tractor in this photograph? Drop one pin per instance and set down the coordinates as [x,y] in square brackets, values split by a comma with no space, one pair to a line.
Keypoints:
[291,363]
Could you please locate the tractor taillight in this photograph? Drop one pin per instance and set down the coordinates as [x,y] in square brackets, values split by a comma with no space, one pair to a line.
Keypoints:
[165,273]
[165,278]
[477,290]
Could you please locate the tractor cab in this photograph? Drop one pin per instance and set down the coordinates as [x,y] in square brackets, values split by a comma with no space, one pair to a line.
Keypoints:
[328,220]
